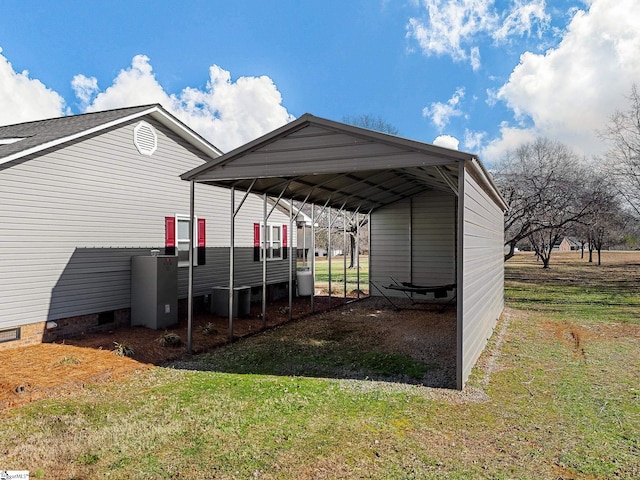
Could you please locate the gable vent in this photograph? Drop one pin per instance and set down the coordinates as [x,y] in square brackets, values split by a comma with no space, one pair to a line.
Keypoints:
[145,138]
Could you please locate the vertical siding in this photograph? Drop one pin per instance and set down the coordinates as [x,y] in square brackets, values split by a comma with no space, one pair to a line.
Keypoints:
[414,240]
[482,275]
[433,242]
[390,244]
[72,217]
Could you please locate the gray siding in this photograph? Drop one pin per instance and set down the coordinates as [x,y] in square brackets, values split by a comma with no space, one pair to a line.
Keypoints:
[414,241]
[433,237]
[247,271]
[72,217]
[390,244]
[482,274]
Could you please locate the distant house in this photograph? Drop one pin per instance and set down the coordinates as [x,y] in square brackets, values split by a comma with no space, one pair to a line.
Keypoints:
[567,244]
[81,195]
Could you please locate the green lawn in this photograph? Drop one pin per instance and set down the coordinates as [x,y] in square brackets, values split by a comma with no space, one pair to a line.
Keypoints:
[338,274]
[556,395]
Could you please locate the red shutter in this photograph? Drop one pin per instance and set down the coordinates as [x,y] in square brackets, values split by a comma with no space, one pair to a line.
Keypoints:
[256,235]
[202,232]
[285,249]
[202,242]
[169,232]
[256,242]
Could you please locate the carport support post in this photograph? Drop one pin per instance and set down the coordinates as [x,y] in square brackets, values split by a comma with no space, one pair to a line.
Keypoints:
[264,261]
[459,279]
[313,254]
[190,283]
[290,253]
[329,253]
[358,251]
[344,251]
[232,231]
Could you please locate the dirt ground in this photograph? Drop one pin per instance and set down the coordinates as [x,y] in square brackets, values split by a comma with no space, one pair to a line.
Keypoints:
[55,369]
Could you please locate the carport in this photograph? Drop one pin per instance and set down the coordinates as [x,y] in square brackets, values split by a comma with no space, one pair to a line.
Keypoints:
[436,214]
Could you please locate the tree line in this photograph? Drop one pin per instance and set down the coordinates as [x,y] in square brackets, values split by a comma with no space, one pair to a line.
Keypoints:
[553,193]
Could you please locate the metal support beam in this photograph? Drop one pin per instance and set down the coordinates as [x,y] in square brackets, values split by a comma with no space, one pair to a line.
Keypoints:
[329,251]
[447,180]
[290,247]
[460,280]
[264,261]
[313,255]
[344,251]
[190,282]
[232,235]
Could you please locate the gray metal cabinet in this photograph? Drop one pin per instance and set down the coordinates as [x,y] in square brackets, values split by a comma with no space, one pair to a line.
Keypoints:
[154,291]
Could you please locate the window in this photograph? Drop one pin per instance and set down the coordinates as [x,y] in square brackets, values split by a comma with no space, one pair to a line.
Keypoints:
[182,241]
[177,235]
[276,241]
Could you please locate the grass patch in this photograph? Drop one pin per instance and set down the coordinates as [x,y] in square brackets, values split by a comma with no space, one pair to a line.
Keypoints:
[562,401]
[338,274]
[332,353]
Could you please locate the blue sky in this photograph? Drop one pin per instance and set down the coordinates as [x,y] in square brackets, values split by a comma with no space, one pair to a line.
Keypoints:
[484,74]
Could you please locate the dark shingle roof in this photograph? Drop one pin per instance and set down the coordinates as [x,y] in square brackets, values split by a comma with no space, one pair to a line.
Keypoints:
[42,132]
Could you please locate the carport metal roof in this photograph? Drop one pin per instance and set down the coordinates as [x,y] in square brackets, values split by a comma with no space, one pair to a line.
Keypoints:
[329,163]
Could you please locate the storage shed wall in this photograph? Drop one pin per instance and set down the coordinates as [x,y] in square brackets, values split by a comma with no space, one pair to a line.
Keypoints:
[414,241]
[73,217]
[482,273]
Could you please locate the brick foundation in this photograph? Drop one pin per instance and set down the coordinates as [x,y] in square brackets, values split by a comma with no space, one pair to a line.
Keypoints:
[29,335]
[34,333]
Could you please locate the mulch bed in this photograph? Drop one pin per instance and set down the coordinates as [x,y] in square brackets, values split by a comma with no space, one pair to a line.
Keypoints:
[52,369]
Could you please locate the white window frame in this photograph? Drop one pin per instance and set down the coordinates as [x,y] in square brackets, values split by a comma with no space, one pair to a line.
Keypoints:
[272,245]
[183,218]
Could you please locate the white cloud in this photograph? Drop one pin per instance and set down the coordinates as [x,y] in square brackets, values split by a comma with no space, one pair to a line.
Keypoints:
[447,141]
[455,28]
[225,112]
[23,99]
[522,19]
[136,85]
[510,138]
[441,113]
[473,141]
[85,88]
[571,90]
[228,113]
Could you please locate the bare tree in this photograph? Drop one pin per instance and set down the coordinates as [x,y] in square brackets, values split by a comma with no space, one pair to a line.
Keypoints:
[623,136]
[541,181]
[371,122]
[355,225]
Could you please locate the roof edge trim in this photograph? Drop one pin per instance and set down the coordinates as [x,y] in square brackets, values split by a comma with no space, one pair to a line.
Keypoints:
[156,111]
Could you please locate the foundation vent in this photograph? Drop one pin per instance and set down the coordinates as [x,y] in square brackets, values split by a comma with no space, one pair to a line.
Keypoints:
[145,138]
[10,335]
